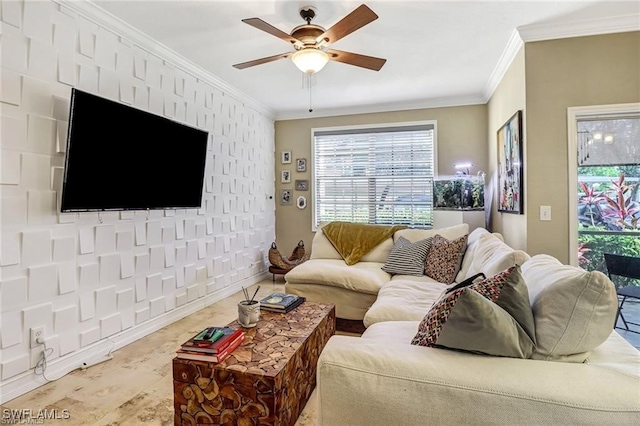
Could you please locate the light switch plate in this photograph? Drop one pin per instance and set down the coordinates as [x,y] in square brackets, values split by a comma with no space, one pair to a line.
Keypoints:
[545,213]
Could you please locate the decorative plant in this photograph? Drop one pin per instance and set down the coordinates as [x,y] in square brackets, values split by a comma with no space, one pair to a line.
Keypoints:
[621,209]
[590,200]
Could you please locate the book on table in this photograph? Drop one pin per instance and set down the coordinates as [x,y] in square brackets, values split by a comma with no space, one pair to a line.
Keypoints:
[281,302]
[211,357]
[212,340]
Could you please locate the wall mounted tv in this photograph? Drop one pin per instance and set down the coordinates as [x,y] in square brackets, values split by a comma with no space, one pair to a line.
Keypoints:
[123,158]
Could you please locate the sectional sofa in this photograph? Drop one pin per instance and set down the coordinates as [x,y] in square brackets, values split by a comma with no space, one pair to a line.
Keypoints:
[580,371]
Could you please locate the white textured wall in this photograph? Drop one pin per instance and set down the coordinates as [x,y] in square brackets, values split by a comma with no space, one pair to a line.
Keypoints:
[90,278]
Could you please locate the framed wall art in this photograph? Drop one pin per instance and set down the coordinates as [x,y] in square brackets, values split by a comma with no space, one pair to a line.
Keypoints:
[510,170]
[285,176]
[286,157]
[301,202]
[286,198]
[302,185]
[301,164]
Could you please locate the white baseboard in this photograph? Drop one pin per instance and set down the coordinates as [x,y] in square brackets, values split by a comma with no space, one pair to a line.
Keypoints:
[28,381]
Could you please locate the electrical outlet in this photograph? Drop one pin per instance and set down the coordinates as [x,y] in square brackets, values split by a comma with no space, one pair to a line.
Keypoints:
[36,333]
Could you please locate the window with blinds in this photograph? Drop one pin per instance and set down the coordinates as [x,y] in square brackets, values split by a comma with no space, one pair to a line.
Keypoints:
[377,175]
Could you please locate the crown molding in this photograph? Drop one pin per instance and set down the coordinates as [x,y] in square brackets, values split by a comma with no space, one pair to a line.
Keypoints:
[580,28]
[510,51]
[452,101]
[101,17]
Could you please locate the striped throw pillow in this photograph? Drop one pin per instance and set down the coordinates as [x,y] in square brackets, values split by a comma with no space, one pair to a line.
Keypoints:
[407,258]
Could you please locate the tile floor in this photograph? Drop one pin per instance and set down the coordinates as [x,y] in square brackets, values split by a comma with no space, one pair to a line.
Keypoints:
[136,387]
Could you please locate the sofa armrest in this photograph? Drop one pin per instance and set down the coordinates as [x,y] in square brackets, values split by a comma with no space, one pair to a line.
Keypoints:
[364,381]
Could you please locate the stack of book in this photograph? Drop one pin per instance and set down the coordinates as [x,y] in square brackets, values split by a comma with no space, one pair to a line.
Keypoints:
[281,302]
[213,344]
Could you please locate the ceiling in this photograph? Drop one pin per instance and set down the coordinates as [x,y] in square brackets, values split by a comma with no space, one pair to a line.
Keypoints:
[438,53]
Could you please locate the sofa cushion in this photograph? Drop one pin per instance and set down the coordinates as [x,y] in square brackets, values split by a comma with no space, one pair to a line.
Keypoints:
[363,277]
[472,243]
[407,258]
[491,255]
[404,300]
[573,309]
[450,232]
[444,257]
[472,319]
[321,247]
[354,240]
[379,253]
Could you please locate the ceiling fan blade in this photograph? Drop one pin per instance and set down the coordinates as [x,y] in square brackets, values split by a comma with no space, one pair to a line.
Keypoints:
[356,19]
[261,61]
[356,59]
[268,28]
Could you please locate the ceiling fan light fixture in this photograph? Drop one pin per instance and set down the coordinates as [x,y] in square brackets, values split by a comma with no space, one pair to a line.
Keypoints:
[310,60]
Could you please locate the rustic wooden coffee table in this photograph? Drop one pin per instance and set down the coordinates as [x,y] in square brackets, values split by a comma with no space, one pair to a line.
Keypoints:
[267,380]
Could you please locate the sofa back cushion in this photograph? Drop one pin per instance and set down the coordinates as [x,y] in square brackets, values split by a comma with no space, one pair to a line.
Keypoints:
[450,233]
[353,242]
[321,247]
[491,255]
[573,309]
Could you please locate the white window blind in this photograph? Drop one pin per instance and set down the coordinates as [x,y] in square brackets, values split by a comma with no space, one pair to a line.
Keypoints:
[377,175]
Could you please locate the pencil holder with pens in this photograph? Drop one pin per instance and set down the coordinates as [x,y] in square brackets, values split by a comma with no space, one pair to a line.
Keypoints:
[248,313]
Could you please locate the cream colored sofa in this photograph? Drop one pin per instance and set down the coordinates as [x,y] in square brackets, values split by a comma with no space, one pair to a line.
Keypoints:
[582,372]
[354,289]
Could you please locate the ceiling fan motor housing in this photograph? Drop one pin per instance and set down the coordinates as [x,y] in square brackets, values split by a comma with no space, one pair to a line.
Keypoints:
[307,34]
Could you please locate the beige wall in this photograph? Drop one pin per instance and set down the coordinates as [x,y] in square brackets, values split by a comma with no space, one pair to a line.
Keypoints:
[581,71]
[508,98]
[462,135]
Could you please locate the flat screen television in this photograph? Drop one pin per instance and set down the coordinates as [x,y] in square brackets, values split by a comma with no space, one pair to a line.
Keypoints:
[123,158]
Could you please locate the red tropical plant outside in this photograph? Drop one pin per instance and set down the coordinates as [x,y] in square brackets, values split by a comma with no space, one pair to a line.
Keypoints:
[590,198]
[621,208]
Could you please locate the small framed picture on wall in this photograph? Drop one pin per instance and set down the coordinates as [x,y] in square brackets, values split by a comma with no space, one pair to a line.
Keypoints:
[286,157]
[301,202]
[285,176]
[286,198]
[301,164]
[302,185]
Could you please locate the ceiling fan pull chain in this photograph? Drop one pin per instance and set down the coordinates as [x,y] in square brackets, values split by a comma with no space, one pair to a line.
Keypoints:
[310,104]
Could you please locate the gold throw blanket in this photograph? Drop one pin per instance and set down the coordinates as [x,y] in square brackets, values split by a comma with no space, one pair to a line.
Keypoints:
[354,240]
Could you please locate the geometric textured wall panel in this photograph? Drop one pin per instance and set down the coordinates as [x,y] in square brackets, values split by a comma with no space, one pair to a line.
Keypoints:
[110,325]
[11,332]
[89,275]
[89,336]
[13,292]
[43,282]
[36,247]
[67,277]
[65,319]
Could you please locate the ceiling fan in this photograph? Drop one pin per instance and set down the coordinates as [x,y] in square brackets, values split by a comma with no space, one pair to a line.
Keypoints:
[310,41]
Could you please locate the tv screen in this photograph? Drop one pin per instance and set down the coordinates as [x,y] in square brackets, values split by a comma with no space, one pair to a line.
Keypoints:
[123,158]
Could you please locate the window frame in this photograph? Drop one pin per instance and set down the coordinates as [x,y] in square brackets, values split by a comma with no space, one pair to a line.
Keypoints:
[364,128]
